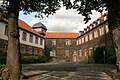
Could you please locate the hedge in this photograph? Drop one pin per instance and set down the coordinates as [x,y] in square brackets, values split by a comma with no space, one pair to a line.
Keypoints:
[33,59]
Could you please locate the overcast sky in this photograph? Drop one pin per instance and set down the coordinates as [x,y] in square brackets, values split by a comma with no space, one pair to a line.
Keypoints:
[63,20]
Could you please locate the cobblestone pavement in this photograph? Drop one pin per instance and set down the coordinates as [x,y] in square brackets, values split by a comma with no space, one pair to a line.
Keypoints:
[68,71]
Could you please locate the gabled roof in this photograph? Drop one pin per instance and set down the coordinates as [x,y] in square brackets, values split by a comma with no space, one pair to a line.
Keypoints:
[61,35]
[26,27]
[39,25]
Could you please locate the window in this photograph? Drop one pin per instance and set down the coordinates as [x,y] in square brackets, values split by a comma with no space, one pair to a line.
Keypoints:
[36,40]
[83,40]
[85,53]
[101,30]
[35,51]
[5,47]
[90,36]
[31,38]
[68,42]
[41,41]
[23,49]
[79,41]
[24,36]
[107,29]
[95,33]
[86,38]
[66,52]
[53,42]
[52,53]
[80,53]
[6,30]
[90,51]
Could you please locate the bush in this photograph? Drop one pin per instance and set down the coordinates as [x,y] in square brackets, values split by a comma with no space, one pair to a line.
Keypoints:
[99,56]
[1,68]
[34,59]
[67,60]
[112,60]
[2,60]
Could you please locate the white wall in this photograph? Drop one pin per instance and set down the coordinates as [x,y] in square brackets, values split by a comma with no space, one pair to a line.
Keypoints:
[2,31]
[29,43]
[2,36]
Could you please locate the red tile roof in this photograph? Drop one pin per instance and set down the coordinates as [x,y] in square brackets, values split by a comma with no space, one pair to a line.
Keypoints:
[25,26]
[61,35]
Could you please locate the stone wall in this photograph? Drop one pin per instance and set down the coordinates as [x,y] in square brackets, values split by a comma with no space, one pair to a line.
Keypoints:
[60,48]
[24,49]
[90,46]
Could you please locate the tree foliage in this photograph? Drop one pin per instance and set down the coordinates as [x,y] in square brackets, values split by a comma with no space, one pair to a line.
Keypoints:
[48,7]
[104,55]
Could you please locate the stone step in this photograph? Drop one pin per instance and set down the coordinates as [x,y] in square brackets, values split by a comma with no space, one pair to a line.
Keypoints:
[73,76]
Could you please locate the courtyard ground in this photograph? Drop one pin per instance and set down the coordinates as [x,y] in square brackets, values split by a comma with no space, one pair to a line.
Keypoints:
[69,71]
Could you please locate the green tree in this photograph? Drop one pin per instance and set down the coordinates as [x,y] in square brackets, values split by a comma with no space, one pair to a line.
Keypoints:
[46,7]
[104,55]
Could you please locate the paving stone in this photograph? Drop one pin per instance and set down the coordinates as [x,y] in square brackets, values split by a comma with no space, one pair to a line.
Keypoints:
[70,72]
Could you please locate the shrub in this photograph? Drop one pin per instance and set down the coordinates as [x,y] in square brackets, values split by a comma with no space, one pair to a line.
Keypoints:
[112,60]
[1,68]
[67,60]
[2,60]
[34,59]
[43,59]
[100,57]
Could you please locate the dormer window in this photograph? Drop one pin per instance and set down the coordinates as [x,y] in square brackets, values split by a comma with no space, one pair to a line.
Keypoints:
[99,22]
[96,23]
[90,27]
[85,30]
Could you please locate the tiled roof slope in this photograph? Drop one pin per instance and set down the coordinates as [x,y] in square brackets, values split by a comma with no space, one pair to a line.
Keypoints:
[25,26]
[61,35]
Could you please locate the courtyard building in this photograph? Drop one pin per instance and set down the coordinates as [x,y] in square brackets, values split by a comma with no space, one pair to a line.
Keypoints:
[61,45]
[92,45]
[32,43]
[95,36]
[84,47]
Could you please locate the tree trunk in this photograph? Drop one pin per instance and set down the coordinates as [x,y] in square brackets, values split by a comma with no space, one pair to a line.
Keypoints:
[114,25]
[12,70]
